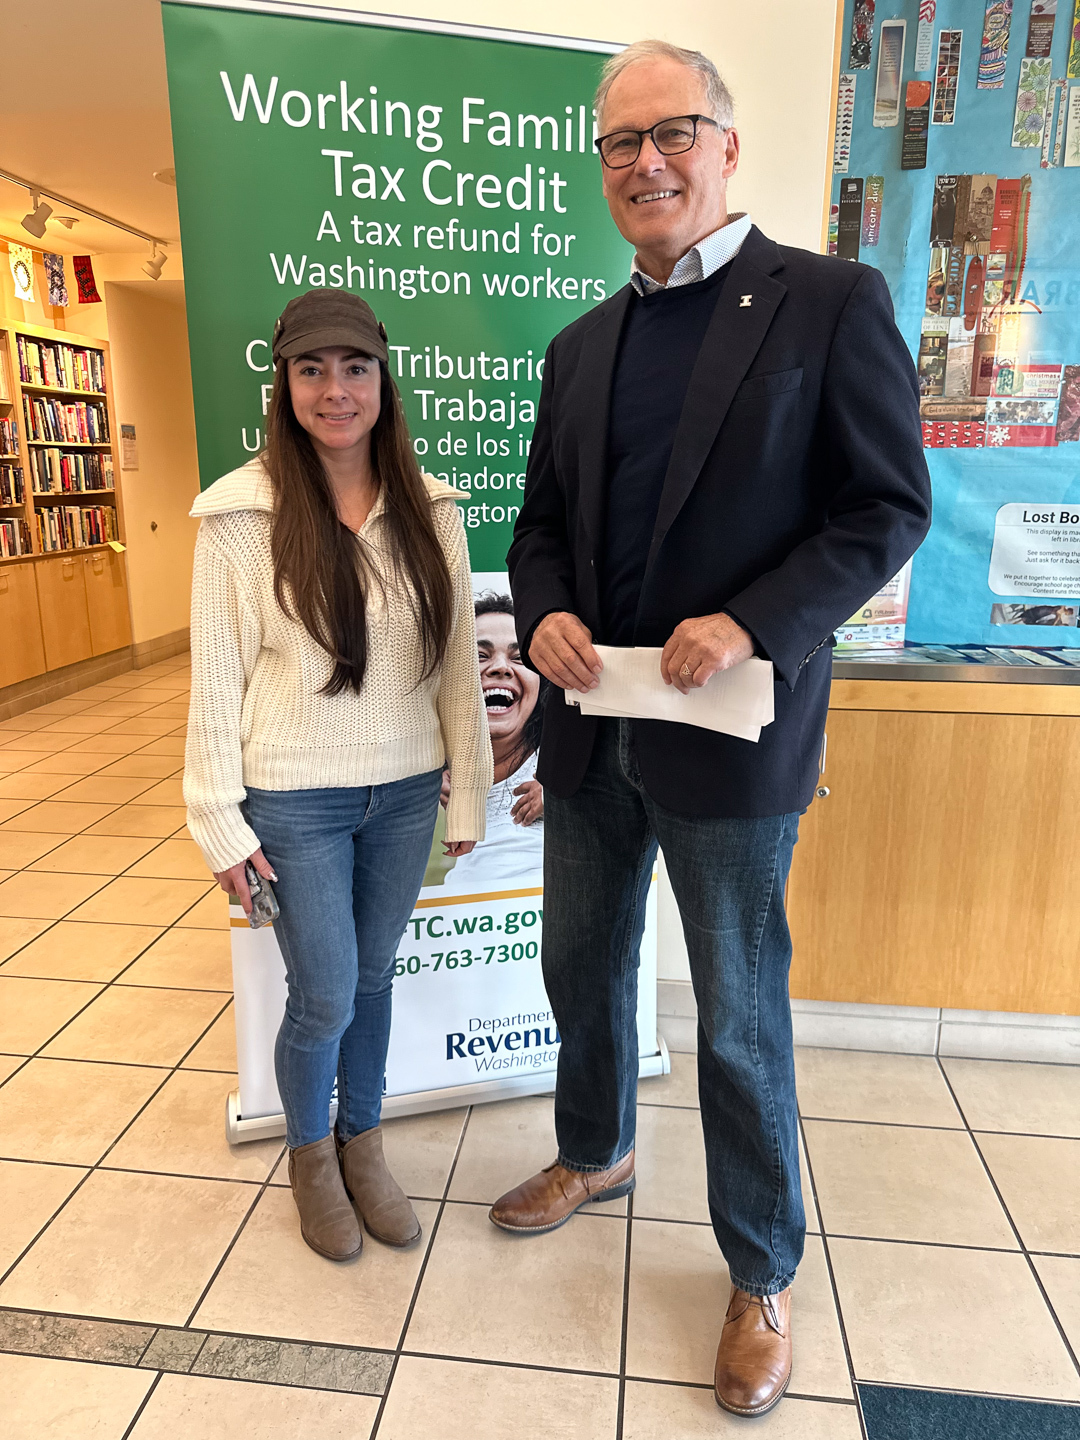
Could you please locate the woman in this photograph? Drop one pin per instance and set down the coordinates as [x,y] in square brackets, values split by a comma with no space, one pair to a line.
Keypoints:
[513,845]
[333,675]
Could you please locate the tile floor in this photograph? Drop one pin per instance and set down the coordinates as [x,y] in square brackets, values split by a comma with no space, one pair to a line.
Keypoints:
[153,1283]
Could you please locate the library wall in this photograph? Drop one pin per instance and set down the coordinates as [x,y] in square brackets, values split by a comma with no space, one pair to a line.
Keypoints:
[152,390]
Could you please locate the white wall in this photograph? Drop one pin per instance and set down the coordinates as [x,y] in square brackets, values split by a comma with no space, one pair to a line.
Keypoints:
[777,59]
[152,384]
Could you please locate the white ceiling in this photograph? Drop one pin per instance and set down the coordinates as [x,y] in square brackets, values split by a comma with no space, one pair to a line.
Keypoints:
[84,109]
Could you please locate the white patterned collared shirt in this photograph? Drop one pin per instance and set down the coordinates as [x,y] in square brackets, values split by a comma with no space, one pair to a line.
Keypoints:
[699,263]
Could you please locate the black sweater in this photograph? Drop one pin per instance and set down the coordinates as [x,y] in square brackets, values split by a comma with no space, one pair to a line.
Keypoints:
[660,342]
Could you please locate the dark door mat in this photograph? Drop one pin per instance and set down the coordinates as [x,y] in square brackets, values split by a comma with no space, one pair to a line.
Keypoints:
[892,1413]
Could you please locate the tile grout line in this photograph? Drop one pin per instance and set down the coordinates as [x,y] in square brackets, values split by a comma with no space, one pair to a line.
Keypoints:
[91,1170]
[1015,1228]
[620,1413]
[110,759]
[142,1405]
[420,1276]
[833,1286]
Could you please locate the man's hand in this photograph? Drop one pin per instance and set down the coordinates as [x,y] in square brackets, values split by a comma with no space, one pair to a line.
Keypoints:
[561,649]
[699,648]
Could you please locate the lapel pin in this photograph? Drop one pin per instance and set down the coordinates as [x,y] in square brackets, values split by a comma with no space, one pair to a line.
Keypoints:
[744,302]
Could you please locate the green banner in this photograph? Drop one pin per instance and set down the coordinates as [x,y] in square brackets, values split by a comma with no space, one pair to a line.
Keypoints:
[448,178]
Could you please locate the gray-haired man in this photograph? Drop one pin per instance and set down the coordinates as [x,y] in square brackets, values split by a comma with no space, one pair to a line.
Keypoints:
[727,460]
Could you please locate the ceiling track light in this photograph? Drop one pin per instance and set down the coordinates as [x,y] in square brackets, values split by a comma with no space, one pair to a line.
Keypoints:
[154,264]
[35,220]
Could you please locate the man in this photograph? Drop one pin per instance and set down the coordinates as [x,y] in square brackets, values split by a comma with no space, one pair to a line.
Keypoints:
[727,461]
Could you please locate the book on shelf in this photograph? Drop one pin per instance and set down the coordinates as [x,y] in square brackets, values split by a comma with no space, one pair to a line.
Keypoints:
[12,491]
[74,527]
[77,422]
[14,538]
[66,367]
[59,472]
[9,437]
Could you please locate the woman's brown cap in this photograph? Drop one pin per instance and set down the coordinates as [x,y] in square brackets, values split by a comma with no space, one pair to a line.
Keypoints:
[322,318]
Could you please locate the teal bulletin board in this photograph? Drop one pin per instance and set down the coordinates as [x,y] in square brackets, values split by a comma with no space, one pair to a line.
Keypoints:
[957,174]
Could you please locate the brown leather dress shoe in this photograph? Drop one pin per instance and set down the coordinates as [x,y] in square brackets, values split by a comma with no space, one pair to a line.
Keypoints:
[753,1363]
[547,1200]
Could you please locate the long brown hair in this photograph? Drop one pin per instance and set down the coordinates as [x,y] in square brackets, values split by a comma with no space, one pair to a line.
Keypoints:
[322,576]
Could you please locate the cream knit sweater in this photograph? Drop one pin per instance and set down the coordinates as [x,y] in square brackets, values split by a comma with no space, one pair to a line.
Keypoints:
[257,715]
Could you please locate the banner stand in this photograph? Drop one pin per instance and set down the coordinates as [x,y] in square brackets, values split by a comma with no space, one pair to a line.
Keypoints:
[423,1009]
[269,1127]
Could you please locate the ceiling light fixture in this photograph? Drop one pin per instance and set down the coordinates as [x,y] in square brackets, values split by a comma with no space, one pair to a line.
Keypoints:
[35,220]
[166,177]
[154,264]
[66,220]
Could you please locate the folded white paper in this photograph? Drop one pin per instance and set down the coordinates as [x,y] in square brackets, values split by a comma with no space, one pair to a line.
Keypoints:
[736,702]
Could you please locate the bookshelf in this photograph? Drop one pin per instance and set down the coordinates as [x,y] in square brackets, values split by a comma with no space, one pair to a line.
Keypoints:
[63,587]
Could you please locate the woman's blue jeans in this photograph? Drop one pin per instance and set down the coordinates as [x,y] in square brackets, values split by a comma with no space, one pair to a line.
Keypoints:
[349,863]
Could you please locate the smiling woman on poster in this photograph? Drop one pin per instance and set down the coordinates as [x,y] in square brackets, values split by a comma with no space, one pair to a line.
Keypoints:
[334,675]
[512,850]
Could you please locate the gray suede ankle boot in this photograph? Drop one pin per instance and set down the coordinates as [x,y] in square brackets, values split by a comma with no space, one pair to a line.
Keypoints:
[379,1199]
[327,1221]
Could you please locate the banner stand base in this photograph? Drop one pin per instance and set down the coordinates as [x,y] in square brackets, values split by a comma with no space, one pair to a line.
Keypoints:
[267,1127]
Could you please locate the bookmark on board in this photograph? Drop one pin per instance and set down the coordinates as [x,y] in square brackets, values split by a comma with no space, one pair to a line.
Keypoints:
[954,273]
[845,115]
[916,125]
[1072,132]
[1056,95]
[889,69]
[1032,98]
[862,35]
[1040,35]
[997,22]
[871,217]
[1073,71]
[849,226]
[947,77]
[924,36]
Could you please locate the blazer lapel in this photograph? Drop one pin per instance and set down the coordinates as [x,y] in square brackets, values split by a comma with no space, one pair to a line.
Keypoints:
[598,353]
[740,322]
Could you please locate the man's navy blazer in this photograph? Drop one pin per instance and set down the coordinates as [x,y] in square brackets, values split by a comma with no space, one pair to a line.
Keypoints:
[797,487]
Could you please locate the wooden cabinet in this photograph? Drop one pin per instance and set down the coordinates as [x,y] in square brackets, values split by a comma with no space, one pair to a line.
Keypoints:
[106,601]
[22,651]
[65,623]
[941,867]
[68,601]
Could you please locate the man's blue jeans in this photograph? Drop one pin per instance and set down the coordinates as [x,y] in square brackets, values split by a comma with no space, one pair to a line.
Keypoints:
[728,877]
[350,863]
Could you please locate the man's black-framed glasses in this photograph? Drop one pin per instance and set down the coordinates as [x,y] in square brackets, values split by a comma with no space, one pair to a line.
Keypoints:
[621,148]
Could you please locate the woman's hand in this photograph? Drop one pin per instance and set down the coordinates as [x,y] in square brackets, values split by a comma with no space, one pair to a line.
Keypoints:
[530,807]
[234,881]
[444,793]
[457,848]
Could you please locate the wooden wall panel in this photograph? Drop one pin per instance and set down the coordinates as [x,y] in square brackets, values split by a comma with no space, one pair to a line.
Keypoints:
[107,601]
[22,651]
[942,868]
[65,624]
